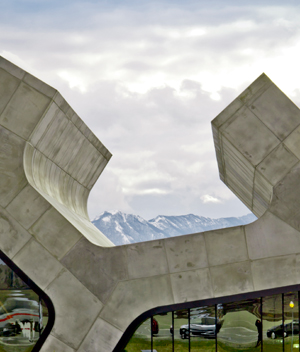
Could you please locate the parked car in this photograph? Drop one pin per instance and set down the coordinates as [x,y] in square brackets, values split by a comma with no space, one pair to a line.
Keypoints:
[284,330]
[206,327]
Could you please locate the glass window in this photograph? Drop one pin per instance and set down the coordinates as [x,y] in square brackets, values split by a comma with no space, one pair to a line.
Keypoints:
[240,326]
[272,323]
[203,329]
[181,331]
[291,322]
[161,332]
[268,324]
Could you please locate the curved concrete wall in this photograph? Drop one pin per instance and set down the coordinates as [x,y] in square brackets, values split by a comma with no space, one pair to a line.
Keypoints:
[97,289]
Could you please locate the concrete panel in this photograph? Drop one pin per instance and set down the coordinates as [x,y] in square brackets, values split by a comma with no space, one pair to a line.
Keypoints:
[278,208]
[191,285]
[262,194]
[12,235]
[132,298]
[76,309]
[99,269]
[255,142]
[102,337]
[52,136]
[11,68]
[253,91]
[55,233]
[270,237]
[186,252]
[33,206]
[37,263]
[226,246]
[39,85]
[72,144]
[50,113]
[288,190]
[277,112]
[24,110]
[277,164]
[12,176]
[52,344]
[275,272]
[146,259]
[61,102]
[292,142]
[8,85]
[231,279]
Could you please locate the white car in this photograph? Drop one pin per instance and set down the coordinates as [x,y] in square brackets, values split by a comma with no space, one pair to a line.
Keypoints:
[206,327]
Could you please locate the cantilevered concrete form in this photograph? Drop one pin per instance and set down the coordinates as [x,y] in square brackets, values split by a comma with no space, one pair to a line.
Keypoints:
[49,161]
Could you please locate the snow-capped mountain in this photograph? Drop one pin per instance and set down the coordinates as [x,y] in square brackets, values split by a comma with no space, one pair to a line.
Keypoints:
[123,228]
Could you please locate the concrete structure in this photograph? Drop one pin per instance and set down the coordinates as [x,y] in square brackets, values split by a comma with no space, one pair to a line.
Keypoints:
[49,161]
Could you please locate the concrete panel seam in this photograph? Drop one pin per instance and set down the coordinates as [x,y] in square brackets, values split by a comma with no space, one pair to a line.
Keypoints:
[265,124]
[285,146]
[245,238]
[10,131]
[98,317]
[30,85]
[26,244]
[59,273]
[167,258]
[104,156]
[232,263]
[58,167]
[171,286]
[34,130]
[11,95]
[72,247]
[41,214]
[14,199]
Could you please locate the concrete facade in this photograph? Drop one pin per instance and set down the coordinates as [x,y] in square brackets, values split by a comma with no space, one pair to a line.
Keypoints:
[49,161]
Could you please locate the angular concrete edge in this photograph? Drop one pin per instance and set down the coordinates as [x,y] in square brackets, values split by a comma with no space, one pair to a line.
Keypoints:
[49,160]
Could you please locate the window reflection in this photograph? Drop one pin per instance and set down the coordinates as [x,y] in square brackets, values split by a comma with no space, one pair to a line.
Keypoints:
[203,329]
[161,332]
[269,324]
[241,326]
[181,331]
[291,321]
[272,323]
[23,315]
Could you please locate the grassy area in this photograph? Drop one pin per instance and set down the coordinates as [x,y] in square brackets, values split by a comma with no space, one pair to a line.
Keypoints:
[138,344]
[15,348]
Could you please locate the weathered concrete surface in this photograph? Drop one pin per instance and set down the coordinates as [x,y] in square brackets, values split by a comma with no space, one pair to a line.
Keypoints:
[49,161]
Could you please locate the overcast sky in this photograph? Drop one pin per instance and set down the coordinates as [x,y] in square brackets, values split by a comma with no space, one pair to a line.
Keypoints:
[148,77]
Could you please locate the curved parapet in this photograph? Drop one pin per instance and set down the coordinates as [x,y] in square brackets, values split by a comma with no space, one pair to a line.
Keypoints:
[49,161]
[62,159]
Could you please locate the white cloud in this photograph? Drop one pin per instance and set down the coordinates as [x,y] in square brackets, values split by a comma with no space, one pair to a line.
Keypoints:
[148,79]
[209,199]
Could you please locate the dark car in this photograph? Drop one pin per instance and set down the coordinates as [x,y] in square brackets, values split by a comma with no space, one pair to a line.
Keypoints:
[284,330]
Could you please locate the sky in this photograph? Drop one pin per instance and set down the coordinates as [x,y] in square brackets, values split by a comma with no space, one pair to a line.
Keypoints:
[148,77]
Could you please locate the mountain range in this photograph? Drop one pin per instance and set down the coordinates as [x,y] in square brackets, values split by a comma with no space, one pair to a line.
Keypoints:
[123,228]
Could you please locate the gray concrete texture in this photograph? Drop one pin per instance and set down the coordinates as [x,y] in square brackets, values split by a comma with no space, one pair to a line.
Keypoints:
[49,161]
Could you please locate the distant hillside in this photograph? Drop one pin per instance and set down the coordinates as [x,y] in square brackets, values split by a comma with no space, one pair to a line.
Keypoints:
[123,228]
